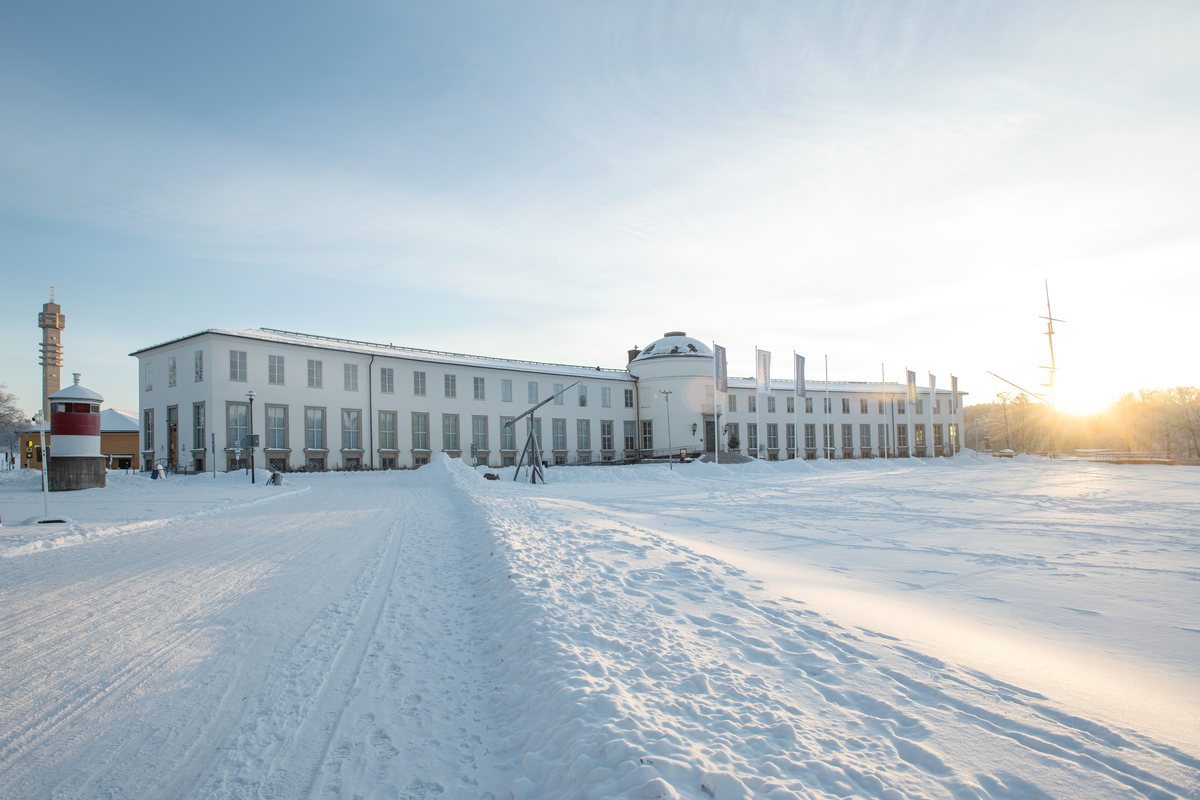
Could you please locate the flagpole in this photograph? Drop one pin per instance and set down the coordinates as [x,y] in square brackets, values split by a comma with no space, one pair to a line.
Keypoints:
[827,434]
[716,416]
[929,446]
[757,403]
[796,408]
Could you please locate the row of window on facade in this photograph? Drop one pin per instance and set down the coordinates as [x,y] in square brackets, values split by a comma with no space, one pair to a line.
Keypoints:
[864,406]
[387,380]
[316,428]
[829,434]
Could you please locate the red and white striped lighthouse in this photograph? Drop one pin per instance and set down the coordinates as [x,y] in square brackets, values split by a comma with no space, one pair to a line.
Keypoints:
[75,458]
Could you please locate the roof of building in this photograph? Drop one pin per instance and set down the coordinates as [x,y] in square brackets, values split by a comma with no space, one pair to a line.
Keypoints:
[396,351]
[77,392]
[117,420]
[675,344]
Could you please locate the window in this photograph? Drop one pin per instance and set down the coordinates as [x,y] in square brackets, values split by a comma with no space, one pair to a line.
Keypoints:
[170,371]
[808,405]
[387,430]
[629,398]
[937,436]
[198,442]
[237,365]
[537,429]
[560,434]
[863,407]
[902,436]
[920,407]
[883,437]
[880,406]
[810,436]
[937,406]
[770,404]
[752,436]
[954,434]
[752,403]
[450,386]
[847,436]
[351,429]
[558,398]
[791,436]
[239,416]
[275,369]
[508,434]
[505,390]
[350,377]
[277,427]
[450,432]
[419,384]
[899,406]
[147,430]
[314,374]
[149,371]
[647,434]
[828,405]
[791,404]
[773,436]
[479,388]
[630,435]
[387,380]
[606,435]
[582,396]
[864,435]
[314,429]
[420,425]
[732,403]
[827,435]
[583,440]
[919,434]
[199,359]
[479,433]
[533,391]
[605,397]
[845,405]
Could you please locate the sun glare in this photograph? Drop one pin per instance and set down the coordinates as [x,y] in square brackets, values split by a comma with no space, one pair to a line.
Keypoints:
[1080,399]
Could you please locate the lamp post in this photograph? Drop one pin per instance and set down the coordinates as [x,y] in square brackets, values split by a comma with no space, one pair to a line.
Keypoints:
[250,394]
[666,393]
[40,419]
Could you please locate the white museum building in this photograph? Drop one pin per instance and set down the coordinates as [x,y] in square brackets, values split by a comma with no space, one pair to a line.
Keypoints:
[320,403]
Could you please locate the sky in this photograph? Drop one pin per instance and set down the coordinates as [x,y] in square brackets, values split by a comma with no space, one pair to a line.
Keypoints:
[886,184]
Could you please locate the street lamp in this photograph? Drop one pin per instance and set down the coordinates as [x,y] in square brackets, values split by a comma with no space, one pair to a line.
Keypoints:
[666,393]
[40,420]
[250,394]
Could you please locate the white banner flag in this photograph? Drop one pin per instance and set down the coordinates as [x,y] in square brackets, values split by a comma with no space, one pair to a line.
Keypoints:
[801,390]
[912,387]
[722,368]
[933,388]
[764,372]
[953,394]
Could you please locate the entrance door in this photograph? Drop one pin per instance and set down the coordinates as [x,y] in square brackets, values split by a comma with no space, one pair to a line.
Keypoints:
[172,436]
[710,436]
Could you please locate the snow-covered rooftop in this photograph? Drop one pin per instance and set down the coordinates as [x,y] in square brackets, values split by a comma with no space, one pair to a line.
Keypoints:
[674,344]
[397,351]
[117,420]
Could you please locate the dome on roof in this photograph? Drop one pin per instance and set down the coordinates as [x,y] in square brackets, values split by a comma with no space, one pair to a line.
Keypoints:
[77,392]
[675,344]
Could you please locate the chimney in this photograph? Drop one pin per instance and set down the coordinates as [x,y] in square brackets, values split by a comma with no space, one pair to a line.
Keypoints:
[634,353]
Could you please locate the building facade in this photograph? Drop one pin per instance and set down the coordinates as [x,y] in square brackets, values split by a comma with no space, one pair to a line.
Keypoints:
[323,403]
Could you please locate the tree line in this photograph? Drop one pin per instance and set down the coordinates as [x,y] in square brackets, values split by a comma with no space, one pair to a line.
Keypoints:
[1165,421]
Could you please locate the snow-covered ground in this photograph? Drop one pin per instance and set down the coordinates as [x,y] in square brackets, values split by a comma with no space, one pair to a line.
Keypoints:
[963,629]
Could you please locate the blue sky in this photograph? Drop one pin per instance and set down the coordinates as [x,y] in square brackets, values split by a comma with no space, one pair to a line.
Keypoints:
[885,183]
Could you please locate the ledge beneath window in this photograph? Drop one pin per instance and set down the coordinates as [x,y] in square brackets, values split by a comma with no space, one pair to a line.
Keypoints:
[352,450]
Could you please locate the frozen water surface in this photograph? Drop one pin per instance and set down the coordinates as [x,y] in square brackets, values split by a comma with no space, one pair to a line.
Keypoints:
[965,629]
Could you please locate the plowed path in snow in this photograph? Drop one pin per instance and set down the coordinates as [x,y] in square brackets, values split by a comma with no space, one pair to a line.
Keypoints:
[288,650]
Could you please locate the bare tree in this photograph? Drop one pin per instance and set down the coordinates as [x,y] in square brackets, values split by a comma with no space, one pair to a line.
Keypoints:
[10,417]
